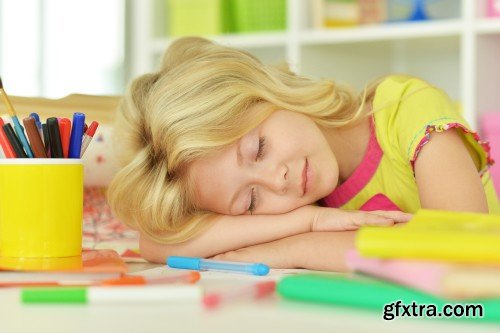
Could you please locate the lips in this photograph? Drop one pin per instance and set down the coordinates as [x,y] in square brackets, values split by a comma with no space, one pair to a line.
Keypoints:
[304,178]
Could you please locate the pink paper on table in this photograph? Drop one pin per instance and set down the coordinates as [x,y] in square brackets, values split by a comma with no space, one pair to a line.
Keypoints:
[426,276]
[451,280]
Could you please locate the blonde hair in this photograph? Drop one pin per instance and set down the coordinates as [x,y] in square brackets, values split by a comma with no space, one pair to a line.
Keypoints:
[195,104]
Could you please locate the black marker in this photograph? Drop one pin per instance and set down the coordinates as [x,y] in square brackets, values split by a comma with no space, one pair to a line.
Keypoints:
[14,141]
[46,139]
[56,150]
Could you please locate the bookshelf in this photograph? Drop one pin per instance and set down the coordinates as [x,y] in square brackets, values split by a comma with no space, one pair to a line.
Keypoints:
[460,55]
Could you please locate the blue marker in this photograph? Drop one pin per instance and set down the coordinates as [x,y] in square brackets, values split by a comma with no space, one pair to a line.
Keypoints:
[75,141]
[35,116]
[20,134]
[199,264]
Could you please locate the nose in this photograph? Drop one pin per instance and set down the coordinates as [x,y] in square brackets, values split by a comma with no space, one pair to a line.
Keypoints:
[275,178]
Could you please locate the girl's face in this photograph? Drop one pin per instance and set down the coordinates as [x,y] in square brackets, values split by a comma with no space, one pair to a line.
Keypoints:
[267,170]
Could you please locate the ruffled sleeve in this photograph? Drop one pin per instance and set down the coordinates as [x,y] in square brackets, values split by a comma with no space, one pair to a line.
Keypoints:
[423,109]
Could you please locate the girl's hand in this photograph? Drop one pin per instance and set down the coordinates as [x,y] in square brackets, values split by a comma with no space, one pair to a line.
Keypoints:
[334,219]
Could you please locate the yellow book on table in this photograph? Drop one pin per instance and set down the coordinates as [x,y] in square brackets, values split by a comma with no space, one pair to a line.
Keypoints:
[436,235]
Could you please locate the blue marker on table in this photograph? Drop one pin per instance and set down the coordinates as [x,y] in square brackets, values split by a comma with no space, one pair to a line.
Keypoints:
[199,264]
[75,141]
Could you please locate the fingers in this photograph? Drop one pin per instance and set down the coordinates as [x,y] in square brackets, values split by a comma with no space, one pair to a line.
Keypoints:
[358,219]
[379,220]
[331,219]
[395,215]
[385,218]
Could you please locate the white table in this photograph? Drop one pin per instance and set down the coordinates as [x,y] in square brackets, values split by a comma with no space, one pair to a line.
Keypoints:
[268,315]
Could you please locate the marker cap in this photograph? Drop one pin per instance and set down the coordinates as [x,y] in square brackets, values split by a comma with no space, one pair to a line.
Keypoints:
[184,262]
[260,269]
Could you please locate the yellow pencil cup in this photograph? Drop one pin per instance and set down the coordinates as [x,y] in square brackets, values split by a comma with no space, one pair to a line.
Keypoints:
[41,207]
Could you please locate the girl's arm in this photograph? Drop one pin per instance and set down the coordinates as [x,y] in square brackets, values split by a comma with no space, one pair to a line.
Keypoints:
[229,233]
[323,251]
[447,177]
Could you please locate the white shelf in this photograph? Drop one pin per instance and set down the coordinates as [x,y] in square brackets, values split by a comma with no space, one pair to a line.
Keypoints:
[458,55]
[388,31]
[488,26]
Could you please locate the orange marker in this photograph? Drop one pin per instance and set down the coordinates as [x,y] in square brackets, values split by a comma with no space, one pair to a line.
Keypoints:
[189,277]
[65,131]
[126,280]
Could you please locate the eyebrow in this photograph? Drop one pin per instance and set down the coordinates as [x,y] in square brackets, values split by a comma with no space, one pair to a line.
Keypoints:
[239,159]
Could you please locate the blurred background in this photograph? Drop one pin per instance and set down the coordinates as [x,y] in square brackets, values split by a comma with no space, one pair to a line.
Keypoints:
[51,48]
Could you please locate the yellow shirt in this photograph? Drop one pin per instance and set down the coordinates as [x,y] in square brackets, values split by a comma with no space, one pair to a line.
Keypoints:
[407,110]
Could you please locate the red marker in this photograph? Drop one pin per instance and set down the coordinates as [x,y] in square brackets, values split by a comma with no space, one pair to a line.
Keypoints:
[5,143]
[65,131]
[88,136]
[253,291]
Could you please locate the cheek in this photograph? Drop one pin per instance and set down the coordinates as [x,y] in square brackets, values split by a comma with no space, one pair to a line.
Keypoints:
[327,177]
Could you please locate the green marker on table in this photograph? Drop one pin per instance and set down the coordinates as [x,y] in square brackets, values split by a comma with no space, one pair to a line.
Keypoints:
[369,293]
[113,295]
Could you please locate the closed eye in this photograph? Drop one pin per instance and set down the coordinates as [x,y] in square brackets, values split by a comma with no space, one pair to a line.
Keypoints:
[260,154]
[262,143]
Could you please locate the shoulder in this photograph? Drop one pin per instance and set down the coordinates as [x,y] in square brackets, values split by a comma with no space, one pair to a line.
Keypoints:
[405,104]
[403,93]
[407,108]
